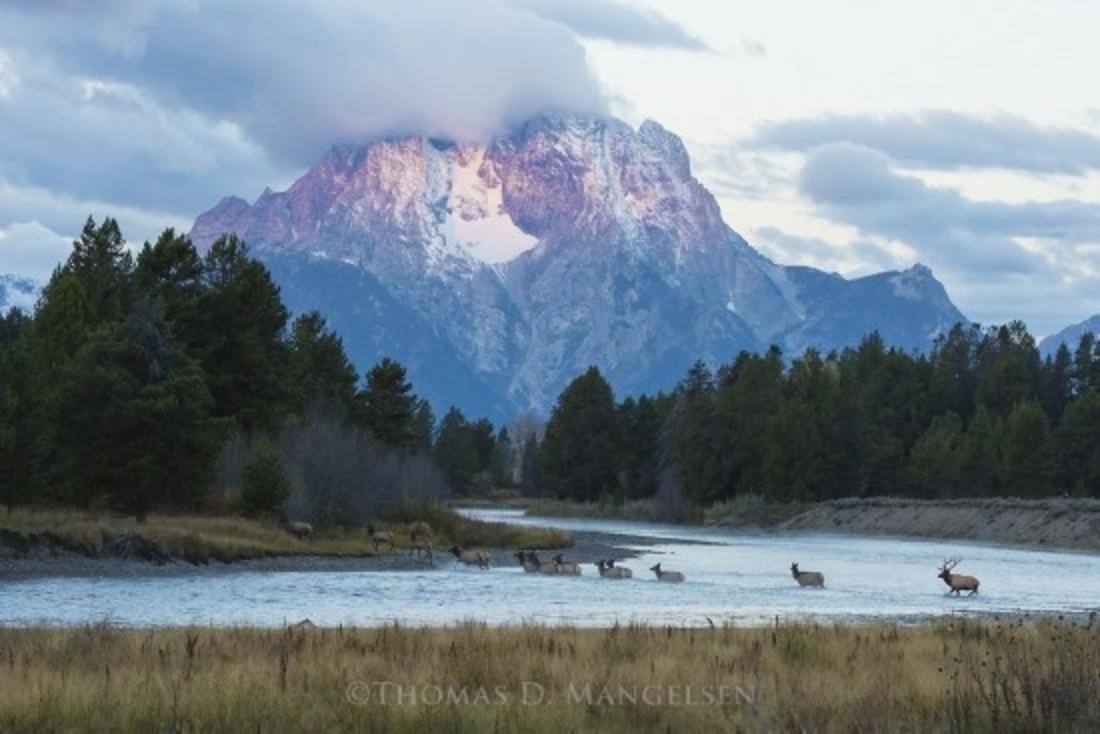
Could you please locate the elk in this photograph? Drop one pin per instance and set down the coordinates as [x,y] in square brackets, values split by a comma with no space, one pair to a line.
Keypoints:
[420,537]
[566,568]
[957,581]
[471,557]
[529,564]
[808,578]
[609,570]
[299,529]
[674,576]
[380,537]
[533,564]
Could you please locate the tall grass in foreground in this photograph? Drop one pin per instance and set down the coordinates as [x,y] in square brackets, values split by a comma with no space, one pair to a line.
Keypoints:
[944,677]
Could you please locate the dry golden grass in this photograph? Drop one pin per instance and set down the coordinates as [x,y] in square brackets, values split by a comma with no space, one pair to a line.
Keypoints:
[944,677]
[201,538]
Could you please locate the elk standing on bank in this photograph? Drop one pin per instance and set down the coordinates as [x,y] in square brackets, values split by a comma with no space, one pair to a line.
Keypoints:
[957,581]
[301,530]
[471,557]
[675,576]
[808,578]
[380,538]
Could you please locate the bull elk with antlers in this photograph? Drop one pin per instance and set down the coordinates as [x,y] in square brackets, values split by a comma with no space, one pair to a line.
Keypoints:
[957,581]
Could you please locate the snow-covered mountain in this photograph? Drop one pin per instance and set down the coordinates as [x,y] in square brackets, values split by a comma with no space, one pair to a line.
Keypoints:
[17,292]
[408,247]
[1070,336]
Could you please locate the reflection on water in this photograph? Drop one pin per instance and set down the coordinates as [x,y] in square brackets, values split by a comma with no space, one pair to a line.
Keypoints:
[737,578]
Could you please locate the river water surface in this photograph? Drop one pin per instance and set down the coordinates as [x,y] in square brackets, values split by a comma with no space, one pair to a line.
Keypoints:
[732,577]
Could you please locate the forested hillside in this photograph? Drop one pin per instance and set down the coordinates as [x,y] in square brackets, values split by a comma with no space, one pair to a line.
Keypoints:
[981,415]
[166,380]
[174,380]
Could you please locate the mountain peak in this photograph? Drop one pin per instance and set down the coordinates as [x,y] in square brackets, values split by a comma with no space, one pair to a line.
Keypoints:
[567,242]
[1070,336]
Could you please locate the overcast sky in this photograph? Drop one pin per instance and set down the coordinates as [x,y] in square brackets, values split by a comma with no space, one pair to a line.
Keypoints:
[851,136]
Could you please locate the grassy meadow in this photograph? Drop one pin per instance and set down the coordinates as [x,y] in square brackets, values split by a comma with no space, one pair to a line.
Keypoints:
[203,538]
[949,676]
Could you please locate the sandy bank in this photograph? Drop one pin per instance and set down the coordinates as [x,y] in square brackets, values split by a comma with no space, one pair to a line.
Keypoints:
[1059,522]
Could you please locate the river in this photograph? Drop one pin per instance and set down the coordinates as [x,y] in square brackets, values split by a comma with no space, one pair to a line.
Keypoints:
[732,577]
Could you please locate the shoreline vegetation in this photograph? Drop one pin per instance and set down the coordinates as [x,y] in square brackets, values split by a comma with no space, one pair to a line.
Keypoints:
[955,675]
[1064,523]
[202,539]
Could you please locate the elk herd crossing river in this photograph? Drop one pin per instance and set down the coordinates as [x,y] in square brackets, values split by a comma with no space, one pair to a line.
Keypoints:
[732,577]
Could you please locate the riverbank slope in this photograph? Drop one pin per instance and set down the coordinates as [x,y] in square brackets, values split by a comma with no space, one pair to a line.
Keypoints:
[1055,522]
[1060,522]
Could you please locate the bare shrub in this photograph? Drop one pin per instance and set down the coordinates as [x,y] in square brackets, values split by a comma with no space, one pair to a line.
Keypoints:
[339,474]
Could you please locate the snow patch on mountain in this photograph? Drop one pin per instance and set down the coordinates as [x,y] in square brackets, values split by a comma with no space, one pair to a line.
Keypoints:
[474,213]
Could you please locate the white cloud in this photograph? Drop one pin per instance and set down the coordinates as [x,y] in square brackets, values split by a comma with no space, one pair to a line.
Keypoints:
[31,250]
[299,79]
[944,139]
[615,21]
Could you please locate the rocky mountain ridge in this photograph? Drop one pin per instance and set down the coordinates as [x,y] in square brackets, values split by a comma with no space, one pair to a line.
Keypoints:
[504,270]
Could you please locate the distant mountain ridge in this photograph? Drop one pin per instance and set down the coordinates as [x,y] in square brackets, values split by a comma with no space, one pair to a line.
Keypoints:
[626,264]
[1069,336]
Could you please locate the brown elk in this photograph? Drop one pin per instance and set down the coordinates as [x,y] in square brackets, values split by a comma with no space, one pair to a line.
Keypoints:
[609,570]
[420,540]
[808,578]
[566,568]
[957,581]
[380,538]
[674,576]
[533,564]
[477,558]
[300,529]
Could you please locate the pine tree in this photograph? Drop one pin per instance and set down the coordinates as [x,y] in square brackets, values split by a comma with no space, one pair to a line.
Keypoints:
[748,395]
[640,423]
[137,426]
[935,463]
[102,264]
[504,460]
[1086,364]
[423,426]
[1008,368]
[264,484]
[980,456]
[320,370]
[577,454]
[242,349]
[1026,450]
[695,423]
[793,465]
[1077,445]
[387,405]
[1056,383]
[954,371]
[456,451]
[172,270]
[529,480]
